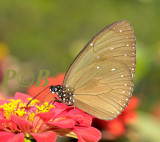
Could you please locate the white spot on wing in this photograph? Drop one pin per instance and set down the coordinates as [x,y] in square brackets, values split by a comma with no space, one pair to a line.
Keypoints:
[91,44]
[113,69]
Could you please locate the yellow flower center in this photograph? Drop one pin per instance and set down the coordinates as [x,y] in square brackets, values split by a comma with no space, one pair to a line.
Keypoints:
[21,109]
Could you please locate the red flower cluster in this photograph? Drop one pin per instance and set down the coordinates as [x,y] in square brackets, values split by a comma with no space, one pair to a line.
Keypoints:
[20,122]
[118,126]
[110,129]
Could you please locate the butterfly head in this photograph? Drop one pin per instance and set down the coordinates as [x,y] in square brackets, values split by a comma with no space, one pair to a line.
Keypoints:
[55,89]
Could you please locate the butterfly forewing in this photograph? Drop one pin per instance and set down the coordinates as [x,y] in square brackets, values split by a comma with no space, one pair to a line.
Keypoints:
[102,74]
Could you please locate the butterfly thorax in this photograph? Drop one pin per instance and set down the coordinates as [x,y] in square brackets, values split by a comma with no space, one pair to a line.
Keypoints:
[65,94]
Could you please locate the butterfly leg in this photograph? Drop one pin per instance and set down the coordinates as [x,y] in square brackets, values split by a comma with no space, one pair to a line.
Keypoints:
[55,100]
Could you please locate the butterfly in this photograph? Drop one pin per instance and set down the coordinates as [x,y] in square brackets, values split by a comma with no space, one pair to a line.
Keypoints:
[100,79]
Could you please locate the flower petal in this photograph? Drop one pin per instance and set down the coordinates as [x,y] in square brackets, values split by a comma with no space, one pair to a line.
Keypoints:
[63,110]
[65,133]
[5,136]
[59,112]
[63,123]
[10,124]
[23,124]
[3,101]
[45,137]
[17,138]
[83,120]
[46,116]
[71,111]
[90,134]
[22,97]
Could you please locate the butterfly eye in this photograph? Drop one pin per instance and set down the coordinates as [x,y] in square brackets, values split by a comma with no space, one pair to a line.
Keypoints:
[54,89]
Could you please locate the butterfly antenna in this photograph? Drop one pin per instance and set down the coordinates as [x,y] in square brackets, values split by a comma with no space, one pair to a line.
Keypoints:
[37,95]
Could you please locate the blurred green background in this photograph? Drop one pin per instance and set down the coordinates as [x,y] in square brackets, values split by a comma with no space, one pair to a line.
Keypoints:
[48,34]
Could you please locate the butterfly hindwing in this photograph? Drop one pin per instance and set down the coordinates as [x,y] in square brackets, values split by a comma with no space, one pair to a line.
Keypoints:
[102,74]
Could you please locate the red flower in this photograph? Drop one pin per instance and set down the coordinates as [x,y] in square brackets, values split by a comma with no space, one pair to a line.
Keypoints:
[33,90]
[19,122]
[118,126]
[111,129]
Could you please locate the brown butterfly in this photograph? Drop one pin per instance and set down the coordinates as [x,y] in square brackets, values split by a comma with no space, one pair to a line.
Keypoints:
[100,79]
